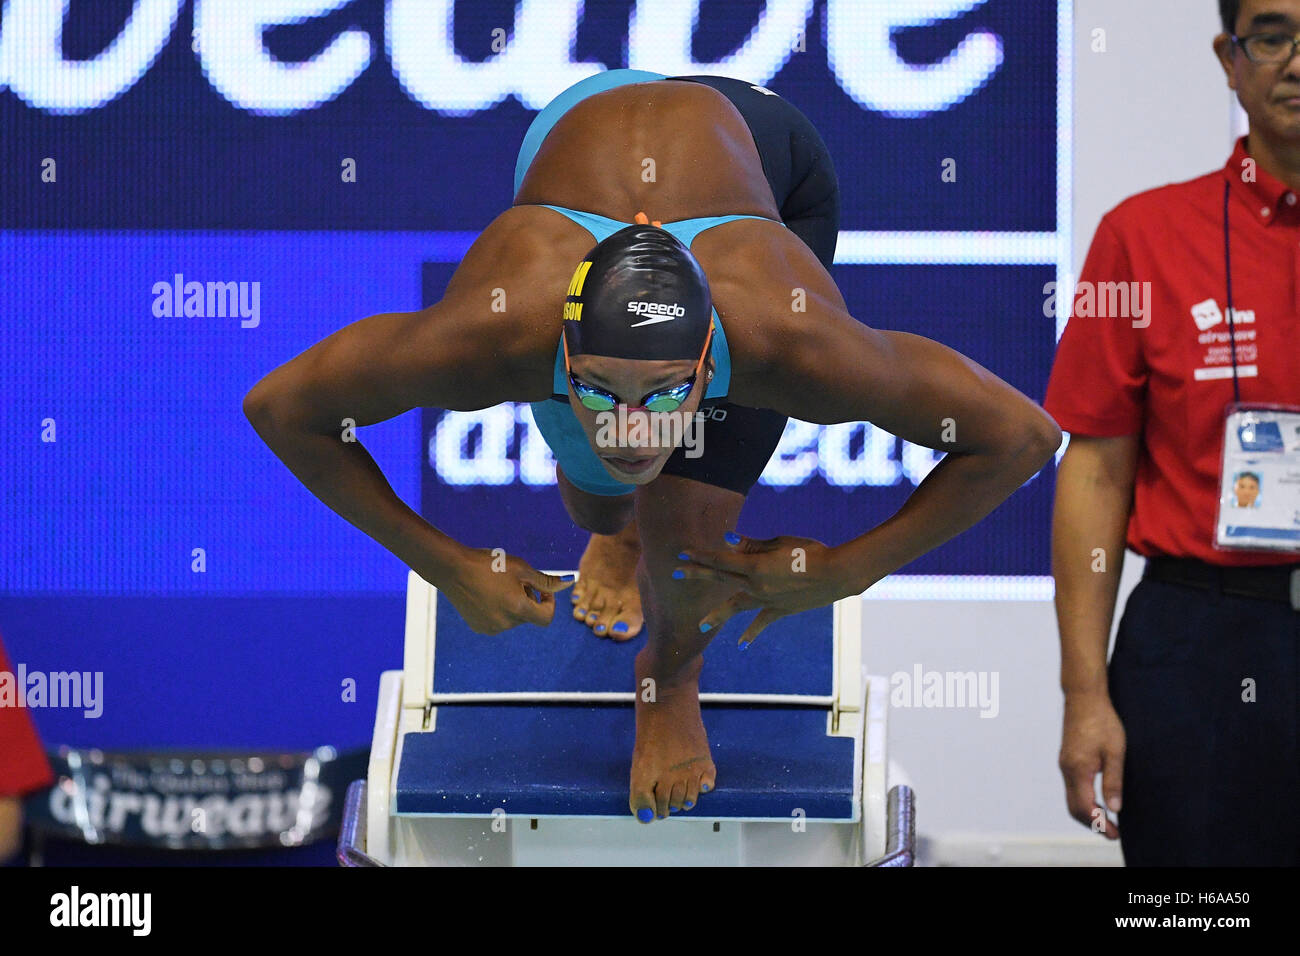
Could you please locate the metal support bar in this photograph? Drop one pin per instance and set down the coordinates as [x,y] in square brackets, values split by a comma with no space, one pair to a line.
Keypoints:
[900,847]
[352,833]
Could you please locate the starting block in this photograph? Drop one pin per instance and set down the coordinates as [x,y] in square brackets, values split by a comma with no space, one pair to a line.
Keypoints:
[514,750]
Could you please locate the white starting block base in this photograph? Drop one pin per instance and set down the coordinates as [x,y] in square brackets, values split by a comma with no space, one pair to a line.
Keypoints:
[606,841]
[882,832]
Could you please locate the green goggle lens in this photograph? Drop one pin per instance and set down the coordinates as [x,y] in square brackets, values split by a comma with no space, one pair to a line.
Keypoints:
[597,400]
[664,403]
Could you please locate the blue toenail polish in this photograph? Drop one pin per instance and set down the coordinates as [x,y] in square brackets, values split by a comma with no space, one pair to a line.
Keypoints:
[645,815]
[621,627]
[683,557]
[705,788]
[582,611]
[705,626]
[744,645]
[679,574]
[731,537]
[672,809]
[689,804]
[600,628]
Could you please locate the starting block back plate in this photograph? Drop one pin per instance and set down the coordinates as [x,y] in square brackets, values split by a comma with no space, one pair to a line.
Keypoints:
[793,656]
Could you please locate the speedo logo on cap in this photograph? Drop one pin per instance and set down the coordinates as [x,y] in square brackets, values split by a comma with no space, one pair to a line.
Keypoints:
[658,312]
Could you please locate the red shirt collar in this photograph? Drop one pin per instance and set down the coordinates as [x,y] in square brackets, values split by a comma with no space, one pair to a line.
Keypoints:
[1267,198]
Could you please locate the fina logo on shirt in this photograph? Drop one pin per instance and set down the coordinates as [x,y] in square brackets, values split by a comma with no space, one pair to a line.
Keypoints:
[1207,315]
[1224,353]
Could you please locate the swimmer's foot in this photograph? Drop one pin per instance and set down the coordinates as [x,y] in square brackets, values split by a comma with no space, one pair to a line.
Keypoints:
[671,764]
[606,595]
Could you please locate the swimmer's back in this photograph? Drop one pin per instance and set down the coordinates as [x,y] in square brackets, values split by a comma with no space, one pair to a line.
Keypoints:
[676,149]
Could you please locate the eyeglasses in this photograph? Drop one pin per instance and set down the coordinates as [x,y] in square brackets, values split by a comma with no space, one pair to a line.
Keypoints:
[663,400]
[1271,48]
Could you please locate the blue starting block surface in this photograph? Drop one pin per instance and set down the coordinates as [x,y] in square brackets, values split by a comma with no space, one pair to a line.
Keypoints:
[564,760]
[792,656]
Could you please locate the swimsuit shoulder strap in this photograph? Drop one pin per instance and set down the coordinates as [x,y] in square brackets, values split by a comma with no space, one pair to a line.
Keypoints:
[600,227]
[687,229]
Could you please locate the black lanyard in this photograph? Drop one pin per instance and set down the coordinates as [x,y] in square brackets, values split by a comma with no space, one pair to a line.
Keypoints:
[1227,271]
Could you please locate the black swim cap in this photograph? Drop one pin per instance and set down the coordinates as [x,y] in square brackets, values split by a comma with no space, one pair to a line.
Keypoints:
[639,294]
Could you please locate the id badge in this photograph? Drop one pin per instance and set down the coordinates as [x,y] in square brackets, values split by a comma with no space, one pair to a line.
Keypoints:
[1259,479]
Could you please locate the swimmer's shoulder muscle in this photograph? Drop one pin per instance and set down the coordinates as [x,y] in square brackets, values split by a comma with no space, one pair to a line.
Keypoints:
[767,286]
[796,349]
[490,339]
[506,298]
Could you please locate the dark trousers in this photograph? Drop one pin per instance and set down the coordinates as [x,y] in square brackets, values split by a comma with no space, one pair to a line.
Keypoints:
[1206,687]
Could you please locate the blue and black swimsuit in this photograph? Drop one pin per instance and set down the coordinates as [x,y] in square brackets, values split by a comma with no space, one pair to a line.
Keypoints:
[798,168]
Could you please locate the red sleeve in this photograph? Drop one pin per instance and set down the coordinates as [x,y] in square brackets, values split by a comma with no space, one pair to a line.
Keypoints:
[23,767]
[1099,376]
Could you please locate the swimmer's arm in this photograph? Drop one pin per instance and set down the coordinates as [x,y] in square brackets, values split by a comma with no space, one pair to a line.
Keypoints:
[458,354]
[827,367]
[368,372]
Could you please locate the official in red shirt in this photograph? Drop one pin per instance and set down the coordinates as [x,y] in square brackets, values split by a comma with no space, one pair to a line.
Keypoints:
[1194,726]
[23,767]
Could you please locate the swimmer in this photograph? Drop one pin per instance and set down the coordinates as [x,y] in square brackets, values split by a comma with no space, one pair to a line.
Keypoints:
[665,262]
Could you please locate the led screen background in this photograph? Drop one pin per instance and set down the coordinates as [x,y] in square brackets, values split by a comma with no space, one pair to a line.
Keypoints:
[208,147]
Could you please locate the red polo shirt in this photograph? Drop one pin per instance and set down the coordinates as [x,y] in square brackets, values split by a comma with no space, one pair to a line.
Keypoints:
[23,767]
[1170,380]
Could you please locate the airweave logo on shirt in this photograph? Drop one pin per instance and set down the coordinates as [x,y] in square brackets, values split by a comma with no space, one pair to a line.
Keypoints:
[658,312]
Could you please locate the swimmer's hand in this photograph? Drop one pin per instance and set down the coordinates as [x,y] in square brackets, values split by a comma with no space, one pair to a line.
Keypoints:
[782,575]
[494,591]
